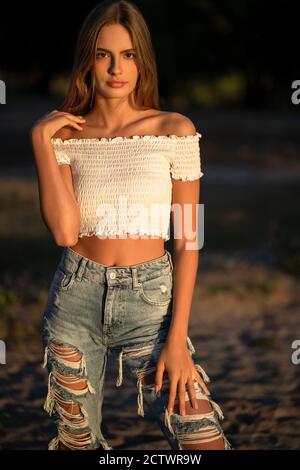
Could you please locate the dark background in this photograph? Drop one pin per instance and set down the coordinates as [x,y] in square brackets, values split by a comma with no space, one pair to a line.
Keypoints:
[244,53]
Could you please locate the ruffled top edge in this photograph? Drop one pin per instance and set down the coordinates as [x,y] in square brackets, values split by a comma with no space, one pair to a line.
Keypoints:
[58,140]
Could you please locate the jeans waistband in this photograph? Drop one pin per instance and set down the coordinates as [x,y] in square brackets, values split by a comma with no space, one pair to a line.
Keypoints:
[74,262]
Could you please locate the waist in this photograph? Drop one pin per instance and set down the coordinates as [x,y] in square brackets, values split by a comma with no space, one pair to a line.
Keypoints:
[119,251]
[73,263]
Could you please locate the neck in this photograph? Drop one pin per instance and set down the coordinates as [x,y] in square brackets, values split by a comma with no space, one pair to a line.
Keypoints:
[111,114]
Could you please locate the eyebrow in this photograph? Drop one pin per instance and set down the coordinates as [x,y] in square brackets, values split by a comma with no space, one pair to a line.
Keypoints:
[107,50]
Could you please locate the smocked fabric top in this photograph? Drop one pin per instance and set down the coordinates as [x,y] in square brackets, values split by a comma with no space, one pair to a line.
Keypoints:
[123,185]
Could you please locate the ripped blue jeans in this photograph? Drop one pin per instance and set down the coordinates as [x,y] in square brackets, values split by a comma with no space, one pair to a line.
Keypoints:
[93,310]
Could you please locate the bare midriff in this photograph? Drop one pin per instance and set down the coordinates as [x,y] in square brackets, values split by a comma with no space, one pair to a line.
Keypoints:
[120,251]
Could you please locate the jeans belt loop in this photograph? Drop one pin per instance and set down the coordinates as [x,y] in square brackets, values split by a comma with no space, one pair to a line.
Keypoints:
[170,260]
[81,268]
[135,281]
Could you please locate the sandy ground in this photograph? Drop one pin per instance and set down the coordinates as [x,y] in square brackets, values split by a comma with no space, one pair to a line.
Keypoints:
[244,318]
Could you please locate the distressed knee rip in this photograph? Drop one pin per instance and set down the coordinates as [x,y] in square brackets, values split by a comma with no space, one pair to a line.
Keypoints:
[198,429]
[149,354]
[66,383]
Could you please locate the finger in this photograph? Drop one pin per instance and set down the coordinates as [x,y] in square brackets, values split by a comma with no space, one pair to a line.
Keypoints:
[76,118]
[202,384]
[182,392]
[76,126]
[71,123]
[159,376]
[72,117]
[192,393]
[172,393]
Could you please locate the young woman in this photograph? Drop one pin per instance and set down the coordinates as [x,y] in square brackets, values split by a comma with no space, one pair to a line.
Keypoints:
[110,163]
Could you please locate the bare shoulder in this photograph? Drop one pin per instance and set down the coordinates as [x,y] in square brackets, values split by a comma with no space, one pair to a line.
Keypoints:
[178,124]
[64,133]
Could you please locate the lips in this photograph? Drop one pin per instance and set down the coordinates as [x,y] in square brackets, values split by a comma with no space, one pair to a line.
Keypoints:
[116,84]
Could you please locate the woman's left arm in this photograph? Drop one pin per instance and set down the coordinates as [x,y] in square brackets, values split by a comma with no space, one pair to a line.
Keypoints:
[175,357]
[186,195]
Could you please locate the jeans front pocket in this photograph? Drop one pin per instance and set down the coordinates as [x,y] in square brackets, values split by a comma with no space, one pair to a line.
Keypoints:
[157,290]
[64,278]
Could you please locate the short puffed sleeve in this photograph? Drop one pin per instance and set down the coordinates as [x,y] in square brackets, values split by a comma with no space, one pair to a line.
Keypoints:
[60,152]
[186,160]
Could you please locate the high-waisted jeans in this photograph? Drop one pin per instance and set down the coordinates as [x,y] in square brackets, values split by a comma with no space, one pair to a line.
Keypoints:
[93,310]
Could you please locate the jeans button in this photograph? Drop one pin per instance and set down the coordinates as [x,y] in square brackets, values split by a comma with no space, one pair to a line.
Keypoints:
[112,275]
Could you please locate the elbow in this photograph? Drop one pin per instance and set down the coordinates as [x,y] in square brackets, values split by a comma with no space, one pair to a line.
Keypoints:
[65,232]
[65,239]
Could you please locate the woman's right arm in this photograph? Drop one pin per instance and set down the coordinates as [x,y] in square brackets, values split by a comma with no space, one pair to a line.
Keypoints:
[58,205]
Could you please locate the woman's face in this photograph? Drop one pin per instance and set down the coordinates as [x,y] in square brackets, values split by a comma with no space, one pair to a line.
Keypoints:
[115,61]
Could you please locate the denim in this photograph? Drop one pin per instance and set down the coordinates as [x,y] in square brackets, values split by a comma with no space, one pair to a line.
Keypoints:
[94,310]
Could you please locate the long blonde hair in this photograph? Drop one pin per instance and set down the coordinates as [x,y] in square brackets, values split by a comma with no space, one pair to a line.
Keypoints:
[80,95]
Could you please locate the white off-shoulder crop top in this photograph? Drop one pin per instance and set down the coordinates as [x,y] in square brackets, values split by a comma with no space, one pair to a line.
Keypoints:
[123,185]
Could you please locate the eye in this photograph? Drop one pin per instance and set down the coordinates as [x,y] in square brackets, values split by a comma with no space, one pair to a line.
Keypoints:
[102,54]
[131,54]
[99,54]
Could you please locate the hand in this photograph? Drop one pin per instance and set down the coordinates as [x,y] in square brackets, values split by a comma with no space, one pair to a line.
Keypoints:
[50,123]
[177,362]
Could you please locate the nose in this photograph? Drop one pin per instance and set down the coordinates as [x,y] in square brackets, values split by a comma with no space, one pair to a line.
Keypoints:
[115,67]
